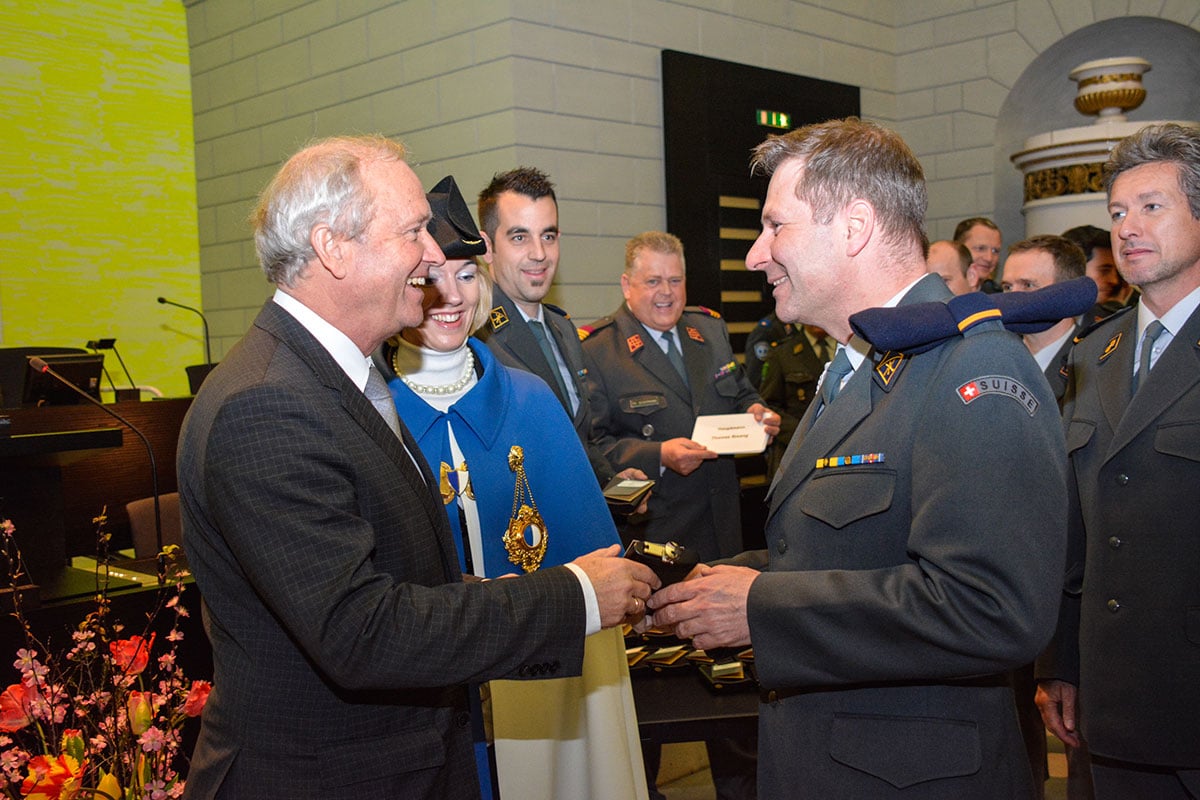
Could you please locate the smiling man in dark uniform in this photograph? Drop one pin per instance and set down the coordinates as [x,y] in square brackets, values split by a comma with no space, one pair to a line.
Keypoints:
[518,212]
[900,581]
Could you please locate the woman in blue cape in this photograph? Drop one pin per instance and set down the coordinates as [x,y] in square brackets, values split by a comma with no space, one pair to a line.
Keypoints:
[519,493]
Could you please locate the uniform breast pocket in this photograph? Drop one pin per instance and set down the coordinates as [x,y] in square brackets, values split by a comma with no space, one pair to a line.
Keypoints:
[727,385]
[843,495]
[1079,434]
[1180,439]
[642,404]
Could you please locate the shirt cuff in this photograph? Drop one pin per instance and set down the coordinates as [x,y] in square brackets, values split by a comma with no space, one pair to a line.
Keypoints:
[590,604]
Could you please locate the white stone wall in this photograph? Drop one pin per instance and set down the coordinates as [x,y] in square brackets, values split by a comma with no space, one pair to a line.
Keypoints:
[572,86]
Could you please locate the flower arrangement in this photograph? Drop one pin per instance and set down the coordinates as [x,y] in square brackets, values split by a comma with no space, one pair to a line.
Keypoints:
[101,719]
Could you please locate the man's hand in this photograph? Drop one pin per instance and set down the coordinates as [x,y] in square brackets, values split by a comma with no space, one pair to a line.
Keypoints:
[767,417]
[622,585]
[709,607]
[684,456]
[1056,701]
[633,473]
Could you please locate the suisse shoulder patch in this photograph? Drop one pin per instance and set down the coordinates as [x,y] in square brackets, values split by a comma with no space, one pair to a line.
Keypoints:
[1002,385]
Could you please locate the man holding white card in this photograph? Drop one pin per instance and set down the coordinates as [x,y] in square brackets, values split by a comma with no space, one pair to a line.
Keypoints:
[654,367]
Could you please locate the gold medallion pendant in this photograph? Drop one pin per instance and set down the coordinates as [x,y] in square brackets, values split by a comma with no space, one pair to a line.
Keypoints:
[526,537]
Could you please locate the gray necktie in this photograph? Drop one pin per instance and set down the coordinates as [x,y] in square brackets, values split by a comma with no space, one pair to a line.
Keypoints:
[674,356]
[1153,331]
[377,392]
[543,341]
[838,370]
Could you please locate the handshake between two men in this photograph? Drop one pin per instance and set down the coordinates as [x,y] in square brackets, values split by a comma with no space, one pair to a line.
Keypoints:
[708,606]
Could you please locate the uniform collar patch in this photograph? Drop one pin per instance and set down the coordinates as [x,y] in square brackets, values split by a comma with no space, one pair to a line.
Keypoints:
[634,343]
[499,318]
[694,334]
[887,369]
[976,388]
[1110,348]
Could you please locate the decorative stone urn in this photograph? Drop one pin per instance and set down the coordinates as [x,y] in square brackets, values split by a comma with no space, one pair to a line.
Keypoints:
[1109,87]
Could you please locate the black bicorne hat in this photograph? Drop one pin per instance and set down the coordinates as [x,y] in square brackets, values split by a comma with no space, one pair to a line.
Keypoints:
[452,225]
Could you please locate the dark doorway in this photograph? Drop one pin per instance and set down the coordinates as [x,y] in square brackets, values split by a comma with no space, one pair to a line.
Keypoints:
[711,120]
[714,112]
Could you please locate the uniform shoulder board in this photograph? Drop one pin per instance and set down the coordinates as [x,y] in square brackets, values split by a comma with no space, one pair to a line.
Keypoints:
[703,310]
[561,312]
[1087,328]
[587,330]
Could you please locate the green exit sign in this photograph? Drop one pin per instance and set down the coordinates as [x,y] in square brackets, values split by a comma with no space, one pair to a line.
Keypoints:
[774,119]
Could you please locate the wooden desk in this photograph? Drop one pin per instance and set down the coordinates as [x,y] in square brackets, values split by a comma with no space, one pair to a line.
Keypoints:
[111,478]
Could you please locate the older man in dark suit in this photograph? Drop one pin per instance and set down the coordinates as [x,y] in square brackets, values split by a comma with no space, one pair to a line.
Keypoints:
[1128,643]
[342,631]
[898,584]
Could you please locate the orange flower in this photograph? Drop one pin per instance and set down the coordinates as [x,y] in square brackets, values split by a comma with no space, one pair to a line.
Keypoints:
[131,655]
[196,698]
[15,705]
[52,778]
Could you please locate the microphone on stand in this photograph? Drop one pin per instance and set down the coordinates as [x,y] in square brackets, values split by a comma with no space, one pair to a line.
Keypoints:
[198,312]
[41,366]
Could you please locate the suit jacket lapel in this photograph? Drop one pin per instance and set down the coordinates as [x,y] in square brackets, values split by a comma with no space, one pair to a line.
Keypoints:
[1176,372]
[1114,374]
[835,423]
[286,328]
[525,349]
[853,404]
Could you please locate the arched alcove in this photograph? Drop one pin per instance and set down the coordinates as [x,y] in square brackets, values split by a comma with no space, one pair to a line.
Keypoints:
[1042,99]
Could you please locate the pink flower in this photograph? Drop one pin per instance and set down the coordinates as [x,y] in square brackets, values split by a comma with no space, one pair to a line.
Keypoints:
[152,740]
[131,655]
[16,706]
[197,697]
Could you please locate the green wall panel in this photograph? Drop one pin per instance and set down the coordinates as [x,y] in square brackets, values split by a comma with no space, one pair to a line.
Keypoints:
[97,183]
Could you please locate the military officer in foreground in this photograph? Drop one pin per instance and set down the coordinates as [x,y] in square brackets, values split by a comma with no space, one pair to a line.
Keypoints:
[898,584]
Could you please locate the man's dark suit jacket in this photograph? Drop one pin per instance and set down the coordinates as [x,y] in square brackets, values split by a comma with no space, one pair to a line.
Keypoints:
[341,630]
[508,336]
[1131,640]
[639,402]
[897,589]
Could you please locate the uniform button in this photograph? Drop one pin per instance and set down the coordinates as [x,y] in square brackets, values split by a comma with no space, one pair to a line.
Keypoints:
[772,696]
[1114,606]
[781,546]
[1114,542]
[1122,479]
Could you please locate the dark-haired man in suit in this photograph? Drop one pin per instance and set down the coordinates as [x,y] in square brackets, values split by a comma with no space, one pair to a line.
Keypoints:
[518,213]
[343,634]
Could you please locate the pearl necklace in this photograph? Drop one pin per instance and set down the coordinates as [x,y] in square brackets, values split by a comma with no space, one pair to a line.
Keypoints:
[449,388]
